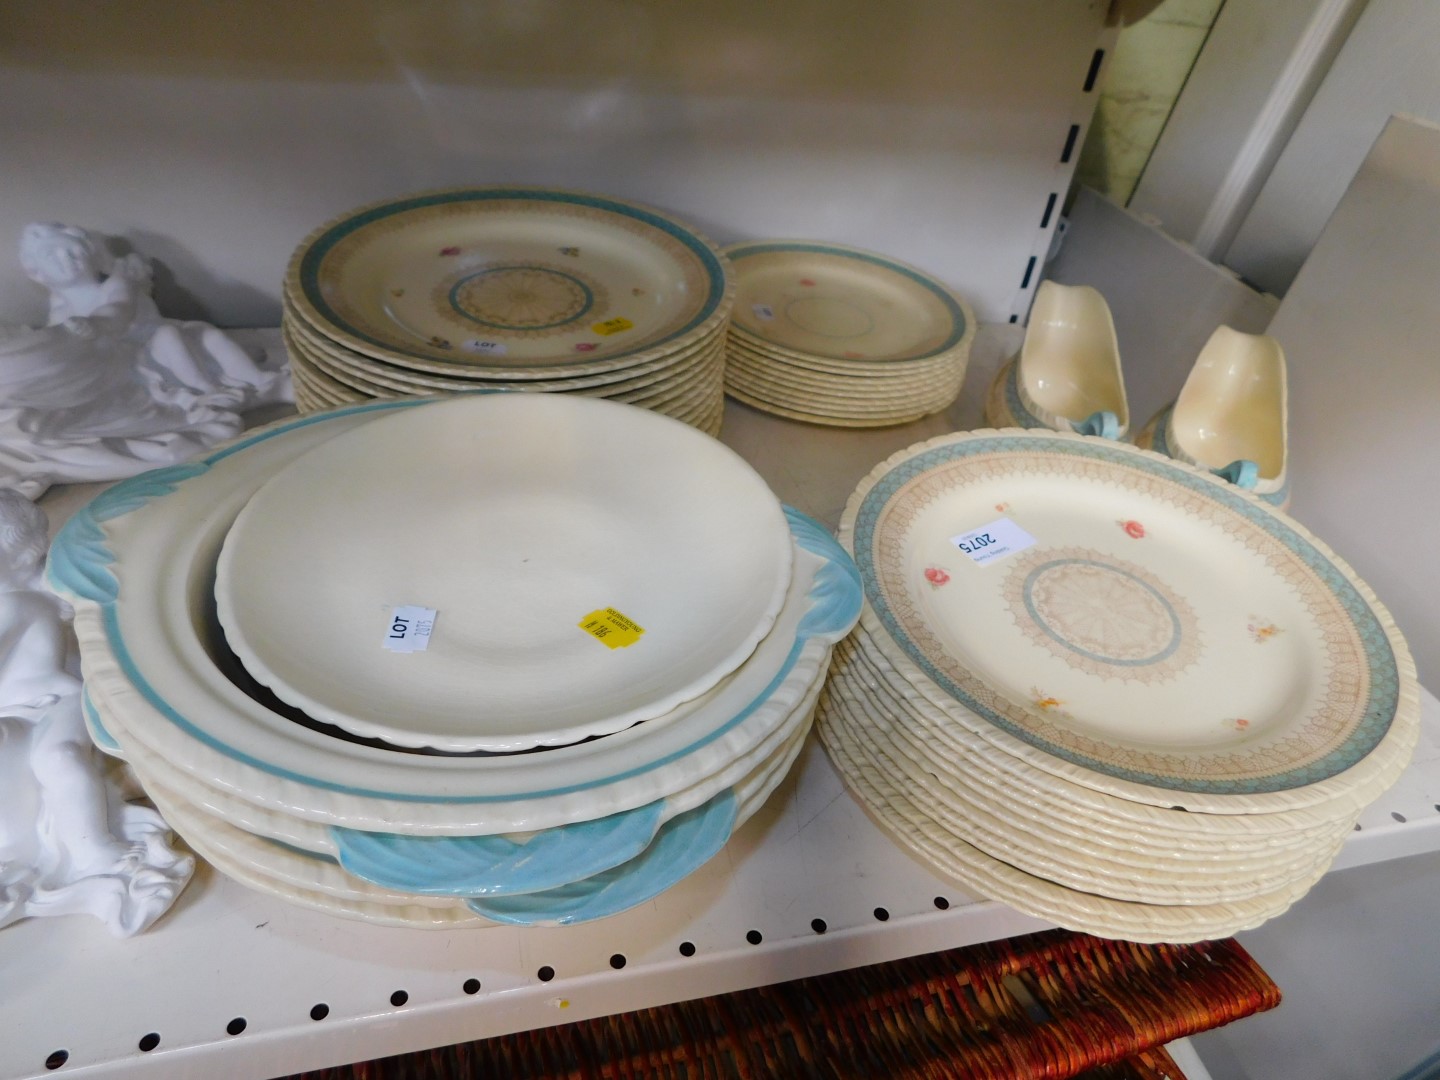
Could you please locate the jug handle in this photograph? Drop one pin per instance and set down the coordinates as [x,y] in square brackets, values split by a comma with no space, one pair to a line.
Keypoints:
[1103,423]
[1243,473]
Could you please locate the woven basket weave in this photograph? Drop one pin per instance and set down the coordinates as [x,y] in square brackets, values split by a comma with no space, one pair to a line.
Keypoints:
[1053,1005]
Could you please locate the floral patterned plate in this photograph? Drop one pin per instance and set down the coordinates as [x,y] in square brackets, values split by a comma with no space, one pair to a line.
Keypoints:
[1129,622]
[602,384]
[514,282]
[908,819]
[841,303]
[994,826]
[1136,829]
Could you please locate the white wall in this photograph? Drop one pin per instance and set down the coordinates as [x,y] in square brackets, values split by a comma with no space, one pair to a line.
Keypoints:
[215,136]
[1387,65]
[1249,87]
[1359,327]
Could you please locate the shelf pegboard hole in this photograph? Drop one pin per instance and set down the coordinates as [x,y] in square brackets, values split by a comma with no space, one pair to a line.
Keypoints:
[320,1011]
[1070,140]
[58,1058]
[149,1042]
[882,915]
[472,986]
[818,925]
[687,948]
[754,937]
[1094,72]
[1398,816]
[398,998]
[942,903]
[617,961]
[236,1026]
[1049,209]
[545,974]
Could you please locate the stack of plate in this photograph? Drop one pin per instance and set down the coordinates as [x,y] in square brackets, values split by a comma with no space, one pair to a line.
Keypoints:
[509,288]
[510,657]
[834,335]
[1108,688]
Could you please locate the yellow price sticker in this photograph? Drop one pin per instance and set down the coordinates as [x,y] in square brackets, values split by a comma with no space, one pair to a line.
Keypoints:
[611,628]
[613,326]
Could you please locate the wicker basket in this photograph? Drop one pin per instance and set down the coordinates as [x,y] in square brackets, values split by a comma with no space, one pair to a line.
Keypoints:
[1052,1005]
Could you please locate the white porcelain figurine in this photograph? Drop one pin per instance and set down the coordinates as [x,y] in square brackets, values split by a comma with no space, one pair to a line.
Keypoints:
[109,388]
[69,843]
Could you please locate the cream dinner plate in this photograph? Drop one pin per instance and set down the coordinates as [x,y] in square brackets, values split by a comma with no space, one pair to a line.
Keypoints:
[315,883]
[571,566]
[690,391]
[626,377]
[138,564]
[863,398]
[1078,862]
[317,838]
[843,303]
[277,861]
[905,819]
[895,383]
[522,282]
[320,392]
[851,390]
[1130,623]
[392,382]
[757,401]
[327,892]
[945,364]
[1122,824]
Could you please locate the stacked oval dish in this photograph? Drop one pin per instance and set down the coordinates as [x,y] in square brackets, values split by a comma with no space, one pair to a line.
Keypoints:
[839,336]
[509,288]
[493,658]
[1108,688]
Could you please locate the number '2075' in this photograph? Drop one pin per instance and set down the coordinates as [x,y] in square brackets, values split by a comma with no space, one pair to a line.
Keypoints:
[976,543]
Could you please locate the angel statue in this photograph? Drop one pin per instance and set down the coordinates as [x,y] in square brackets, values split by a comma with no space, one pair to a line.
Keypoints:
[110,388]
[69,843]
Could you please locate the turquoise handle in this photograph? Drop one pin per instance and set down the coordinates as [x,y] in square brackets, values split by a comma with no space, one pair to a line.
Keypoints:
[1103,423]
[495,865]
[683,845]
[1243,473]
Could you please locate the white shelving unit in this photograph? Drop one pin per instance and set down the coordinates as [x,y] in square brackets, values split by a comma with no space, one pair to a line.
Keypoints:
[944,132]
[231,982]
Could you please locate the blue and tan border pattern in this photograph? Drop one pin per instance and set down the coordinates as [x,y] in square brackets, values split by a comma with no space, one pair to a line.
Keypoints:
[960,326]
[321,257]
[1363,683]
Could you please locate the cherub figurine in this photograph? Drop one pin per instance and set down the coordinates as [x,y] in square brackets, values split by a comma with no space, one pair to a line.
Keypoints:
[110,388]
[69,844]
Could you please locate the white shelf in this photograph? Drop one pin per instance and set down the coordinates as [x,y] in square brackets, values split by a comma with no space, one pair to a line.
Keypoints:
[227,953]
